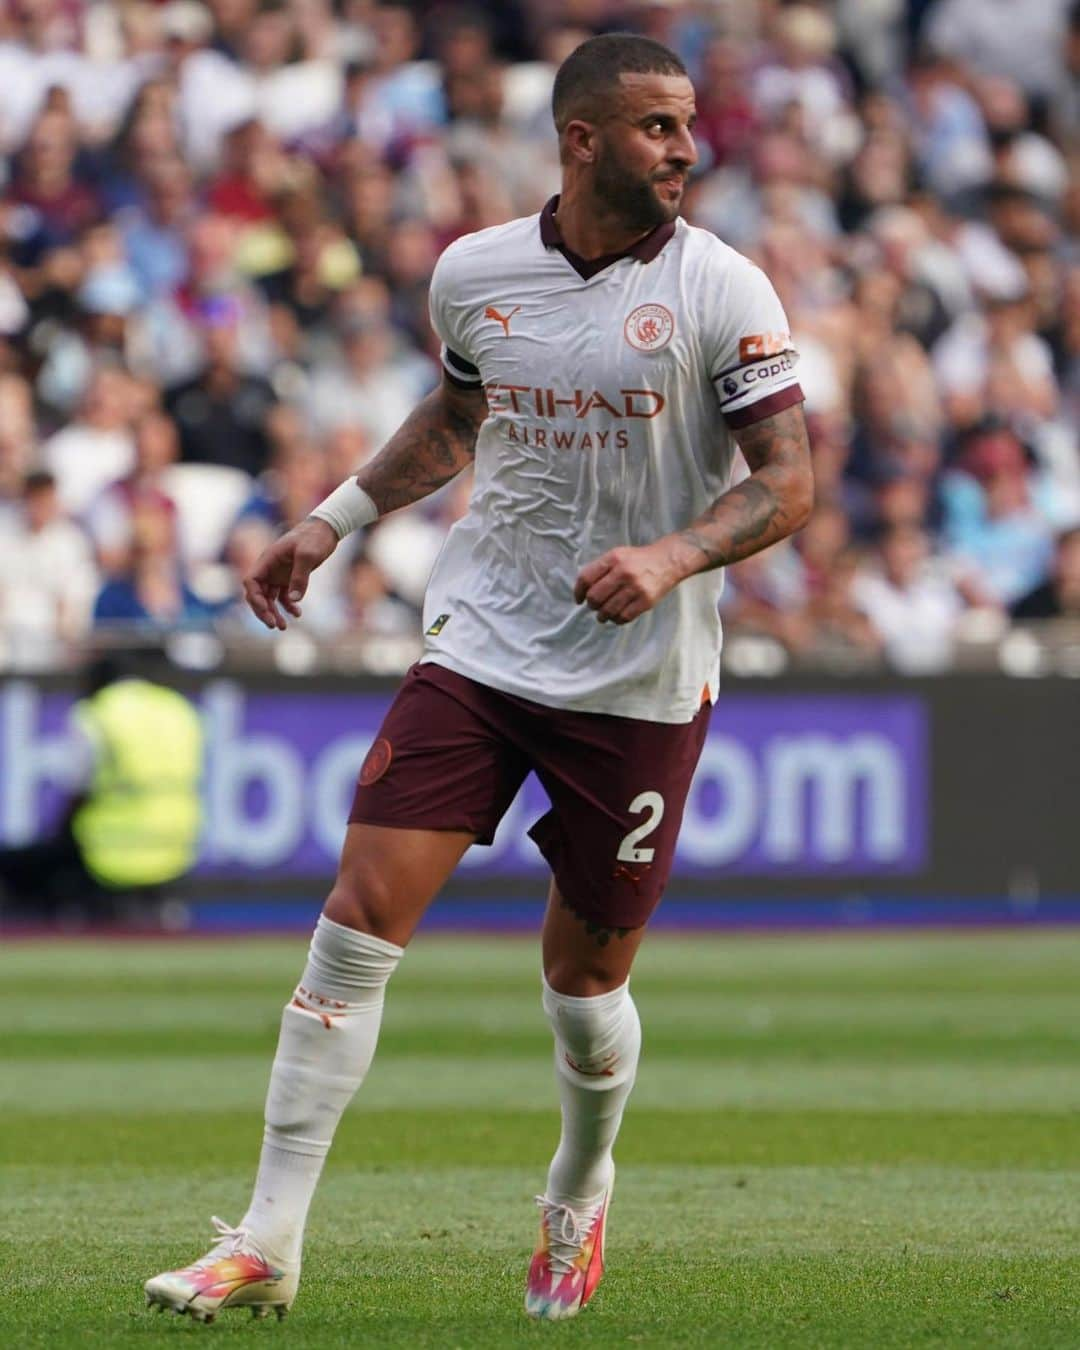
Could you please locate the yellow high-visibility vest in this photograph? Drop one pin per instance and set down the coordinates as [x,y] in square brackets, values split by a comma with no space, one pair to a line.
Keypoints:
[140,825]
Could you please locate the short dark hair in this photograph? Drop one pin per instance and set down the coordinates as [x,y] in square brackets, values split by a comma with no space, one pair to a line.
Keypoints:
[38,480]
[590,74]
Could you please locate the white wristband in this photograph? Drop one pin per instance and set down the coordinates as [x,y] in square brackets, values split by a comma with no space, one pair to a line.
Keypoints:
[347,508]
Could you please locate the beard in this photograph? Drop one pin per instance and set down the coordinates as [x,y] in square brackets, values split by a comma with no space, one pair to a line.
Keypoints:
[634,201]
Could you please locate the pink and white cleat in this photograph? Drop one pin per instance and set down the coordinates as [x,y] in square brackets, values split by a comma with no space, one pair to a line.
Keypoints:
[569,1259]
[233,1274]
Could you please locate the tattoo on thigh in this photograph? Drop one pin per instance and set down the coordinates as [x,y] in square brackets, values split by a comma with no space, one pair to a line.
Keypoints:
[602,935]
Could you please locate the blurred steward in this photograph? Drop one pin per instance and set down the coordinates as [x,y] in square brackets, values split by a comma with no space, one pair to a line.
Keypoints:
[132,825]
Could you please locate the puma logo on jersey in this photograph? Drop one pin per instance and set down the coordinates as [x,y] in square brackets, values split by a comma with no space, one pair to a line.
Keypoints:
[622,873]
[492,313]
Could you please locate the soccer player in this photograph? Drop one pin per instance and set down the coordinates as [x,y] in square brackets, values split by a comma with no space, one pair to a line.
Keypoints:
[600,364]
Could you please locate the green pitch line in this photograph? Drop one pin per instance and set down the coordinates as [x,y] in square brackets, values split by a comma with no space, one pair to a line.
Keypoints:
[197,1143]
[836,1142]
[156,1085]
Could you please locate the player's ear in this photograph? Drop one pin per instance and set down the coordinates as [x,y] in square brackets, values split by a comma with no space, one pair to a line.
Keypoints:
[579,141]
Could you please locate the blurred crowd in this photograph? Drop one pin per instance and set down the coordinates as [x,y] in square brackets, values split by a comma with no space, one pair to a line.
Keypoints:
[218,222]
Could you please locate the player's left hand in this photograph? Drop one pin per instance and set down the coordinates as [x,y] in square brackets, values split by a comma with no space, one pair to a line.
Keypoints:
[625,582]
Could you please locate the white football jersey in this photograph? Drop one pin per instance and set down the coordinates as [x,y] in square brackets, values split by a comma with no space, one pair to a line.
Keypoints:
[612,388]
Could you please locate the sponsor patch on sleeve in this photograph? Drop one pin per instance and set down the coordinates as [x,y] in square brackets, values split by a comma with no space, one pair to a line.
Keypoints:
[756,345]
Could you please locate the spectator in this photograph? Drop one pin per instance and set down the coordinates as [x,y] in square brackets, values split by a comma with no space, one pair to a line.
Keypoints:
[98,332]
[321,262]
[821,544]
[47,186]
[992,520]
[221,412]
[949,136]
[727,120]
[96,448]
[368,609]
[154,231]
[252,169]
[799,74]
[293,91]
[169,342]
[766,595]
[404,97]
[148,136]
[111,517]
[478,133]
[910,600]
[1058,596]
[1001,38]
[376,385]
[346,448]
[17,437]
[151,595]
[1022,158]
[368,210]
[992,363]
[48,579]
[405,546]
[295,483]
[841,630]
[213,91]
[1065,102]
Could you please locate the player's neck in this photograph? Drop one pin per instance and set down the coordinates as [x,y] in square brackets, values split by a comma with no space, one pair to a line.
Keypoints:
[589,230]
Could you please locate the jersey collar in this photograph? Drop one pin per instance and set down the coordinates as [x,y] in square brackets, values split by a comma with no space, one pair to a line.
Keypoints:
[645,250]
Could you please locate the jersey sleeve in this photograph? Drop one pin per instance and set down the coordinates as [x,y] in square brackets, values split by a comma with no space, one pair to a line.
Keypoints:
[457,362]
[751,356]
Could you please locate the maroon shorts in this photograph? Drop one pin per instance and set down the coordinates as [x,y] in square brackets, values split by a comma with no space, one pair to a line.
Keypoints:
[451,755]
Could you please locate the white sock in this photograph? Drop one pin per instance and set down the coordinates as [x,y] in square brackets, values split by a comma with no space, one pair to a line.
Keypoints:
[327,1041]
[597,1044]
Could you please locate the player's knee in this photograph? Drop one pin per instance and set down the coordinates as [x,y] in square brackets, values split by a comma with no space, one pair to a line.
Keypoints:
[568,976]
[362,898]
[599,1036]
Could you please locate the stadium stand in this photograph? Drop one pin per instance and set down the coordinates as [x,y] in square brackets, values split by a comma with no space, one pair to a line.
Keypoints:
[217,225]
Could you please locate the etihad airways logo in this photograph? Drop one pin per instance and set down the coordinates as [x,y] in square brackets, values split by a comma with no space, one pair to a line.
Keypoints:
[535,401]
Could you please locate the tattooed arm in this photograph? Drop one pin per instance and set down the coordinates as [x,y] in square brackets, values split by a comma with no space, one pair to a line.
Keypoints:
[434,443]
[773,502]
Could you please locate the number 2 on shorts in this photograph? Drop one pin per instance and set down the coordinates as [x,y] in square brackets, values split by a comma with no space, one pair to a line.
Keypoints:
[628,849]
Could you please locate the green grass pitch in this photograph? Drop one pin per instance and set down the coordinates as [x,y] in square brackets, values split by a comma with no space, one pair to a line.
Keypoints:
[835,1142]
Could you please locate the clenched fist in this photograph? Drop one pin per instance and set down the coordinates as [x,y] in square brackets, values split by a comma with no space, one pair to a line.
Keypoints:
[280,577]
[625,582]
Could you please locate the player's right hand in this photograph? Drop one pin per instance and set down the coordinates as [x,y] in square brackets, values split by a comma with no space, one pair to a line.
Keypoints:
[280,577]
